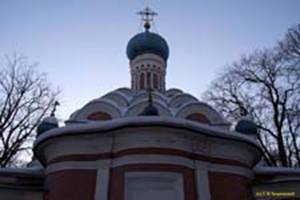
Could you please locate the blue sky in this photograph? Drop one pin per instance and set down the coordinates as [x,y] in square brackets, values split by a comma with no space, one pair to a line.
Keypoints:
[81,44]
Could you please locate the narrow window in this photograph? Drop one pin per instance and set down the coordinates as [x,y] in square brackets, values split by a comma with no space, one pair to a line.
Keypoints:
[155,81]
[148,80]
[142,81]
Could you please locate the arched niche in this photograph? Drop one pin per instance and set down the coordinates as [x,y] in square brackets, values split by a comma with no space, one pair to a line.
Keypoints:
[100,105]
[198,117]
[99,116]
[199,107]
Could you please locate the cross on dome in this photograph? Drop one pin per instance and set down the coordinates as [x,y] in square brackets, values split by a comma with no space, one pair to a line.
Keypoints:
[147,16]
[56,103]
[148,53]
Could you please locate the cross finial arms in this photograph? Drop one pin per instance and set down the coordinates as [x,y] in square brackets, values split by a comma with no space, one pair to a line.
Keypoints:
[147,17]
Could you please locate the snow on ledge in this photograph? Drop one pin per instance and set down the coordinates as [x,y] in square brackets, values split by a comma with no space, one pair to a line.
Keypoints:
[101,127]
[22,172]
[277,171]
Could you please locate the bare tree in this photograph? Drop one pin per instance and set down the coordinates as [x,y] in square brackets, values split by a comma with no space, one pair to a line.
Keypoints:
[290,45]
[25,98]
[266,86]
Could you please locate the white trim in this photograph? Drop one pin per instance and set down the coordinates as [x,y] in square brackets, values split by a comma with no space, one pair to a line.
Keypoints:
[151,159]
[212,167]
[202,183]
[173,179]
[102,184]
[231,169]
[71,165]
[173,123]
[77,165]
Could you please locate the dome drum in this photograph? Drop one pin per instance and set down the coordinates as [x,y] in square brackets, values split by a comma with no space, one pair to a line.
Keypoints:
[148,53]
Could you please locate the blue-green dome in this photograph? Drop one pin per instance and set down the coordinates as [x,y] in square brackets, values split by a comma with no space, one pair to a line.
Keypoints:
[150,110]
[247,127]
[47,124]
[147,42]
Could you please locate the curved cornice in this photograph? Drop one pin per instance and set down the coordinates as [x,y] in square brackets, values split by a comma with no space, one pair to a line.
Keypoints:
[94,106]
[173,90]
[143,122]
[213,115]
[125,90]
[144,95]
[160,105]
[123,100]
[180,96]
[121,96]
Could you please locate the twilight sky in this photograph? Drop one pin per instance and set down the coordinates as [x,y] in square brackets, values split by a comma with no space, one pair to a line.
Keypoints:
[81,44]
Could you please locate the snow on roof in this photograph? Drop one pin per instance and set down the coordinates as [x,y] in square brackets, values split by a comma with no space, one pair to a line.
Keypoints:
[101,127]
[180,104]
[24,172]
[276,170]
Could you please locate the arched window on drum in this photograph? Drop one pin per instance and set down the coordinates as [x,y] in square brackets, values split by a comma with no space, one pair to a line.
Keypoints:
[198,117]
[142,81]
[99,116]
[155,81]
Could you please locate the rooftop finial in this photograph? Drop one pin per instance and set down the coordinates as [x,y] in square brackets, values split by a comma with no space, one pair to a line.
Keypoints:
[150,96]
[147,16]
[150,109]
[56,103]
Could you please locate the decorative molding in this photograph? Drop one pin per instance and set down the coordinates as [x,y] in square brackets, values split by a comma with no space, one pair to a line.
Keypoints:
[146,151]
[150,159]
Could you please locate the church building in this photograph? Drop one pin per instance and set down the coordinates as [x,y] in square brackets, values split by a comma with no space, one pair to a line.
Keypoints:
[148,142]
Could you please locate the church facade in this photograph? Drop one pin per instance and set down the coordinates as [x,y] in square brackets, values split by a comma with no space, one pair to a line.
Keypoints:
[148,142]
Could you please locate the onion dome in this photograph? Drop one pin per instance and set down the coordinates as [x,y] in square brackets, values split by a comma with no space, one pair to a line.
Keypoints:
[47,124]
[147,42]
[246,126]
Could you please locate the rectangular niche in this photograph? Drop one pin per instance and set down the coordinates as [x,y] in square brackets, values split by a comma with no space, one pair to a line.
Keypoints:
[153,186]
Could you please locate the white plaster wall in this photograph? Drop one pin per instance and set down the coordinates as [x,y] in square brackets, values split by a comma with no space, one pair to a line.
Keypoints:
[83,144]
[150,137]
[153,185]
